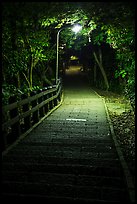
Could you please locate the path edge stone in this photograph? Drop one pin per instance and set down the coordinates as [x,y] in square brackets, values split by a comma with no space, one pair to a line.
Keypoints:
[128,176]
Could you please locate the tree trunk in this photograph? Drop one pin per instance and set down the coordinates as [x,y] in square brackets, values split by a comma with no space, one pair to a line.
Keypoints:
[99,62]
[13,31]
[18,79]
[95,72]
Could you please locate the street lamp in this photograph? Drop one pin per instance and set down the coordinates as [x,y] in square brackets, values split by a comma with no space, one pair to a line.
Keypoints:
[76,28]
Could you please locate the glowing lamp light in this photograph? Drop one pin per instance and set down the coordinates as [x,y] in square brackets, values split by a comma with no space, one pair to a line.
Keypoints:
[76,28]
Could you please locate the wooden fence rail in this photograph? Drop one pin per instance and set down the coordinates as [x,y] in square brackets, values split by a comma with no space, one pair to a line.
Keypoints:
[23,113]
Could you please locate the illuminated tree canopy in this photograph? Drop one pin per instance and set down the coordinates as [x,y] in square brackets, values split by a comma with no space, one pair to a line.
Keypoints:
[29,43]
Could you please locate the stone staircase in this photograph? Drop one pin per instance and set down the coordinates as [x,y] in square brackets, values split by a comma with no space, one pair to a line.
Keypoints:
[61,166]
[69,157]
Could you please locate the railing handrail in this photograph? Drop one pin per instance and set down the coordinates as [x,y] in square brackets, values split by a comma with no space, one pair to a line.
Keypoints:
[49,97]
[13,105]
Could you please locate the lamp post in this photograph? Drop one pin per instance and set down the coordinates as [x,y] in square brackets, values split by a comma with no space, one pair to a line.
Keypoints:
[57,57]
[76,28]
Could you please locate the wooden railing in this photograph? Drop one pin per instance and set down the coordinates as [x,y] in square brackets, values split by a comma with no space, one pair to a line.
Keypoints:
[23,113]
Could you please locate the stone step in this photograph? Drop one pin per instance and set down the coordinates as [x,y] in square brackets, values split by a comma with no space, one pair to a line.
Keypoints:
[61,140]
[67,153]
[10,163]
[96,148]
[69,191]
[51,199]
[69,145]
[63,169]
[63,179]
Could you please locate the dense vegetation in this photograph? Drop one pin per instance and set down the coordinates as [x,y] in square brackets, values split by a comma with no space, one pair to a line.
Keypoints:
[105,46]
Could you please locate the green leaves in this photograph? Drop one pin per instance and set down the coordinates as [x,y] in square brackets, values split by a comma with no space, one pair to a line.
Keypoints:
[121,73]
[29,34]
[48,21]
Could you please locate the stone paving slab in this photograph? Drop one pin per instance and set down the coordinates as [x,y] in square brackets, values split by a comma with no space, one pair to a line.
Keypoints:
[70,156]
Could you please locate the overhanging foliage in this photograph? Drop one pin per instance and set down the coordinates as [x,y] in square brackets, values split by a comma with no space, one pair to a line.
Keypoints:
[29,38]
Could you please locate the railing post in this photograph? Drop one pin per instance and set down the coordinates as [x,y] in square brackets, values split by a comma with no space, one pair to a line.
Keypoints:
[49,96]
[35,115]
[40,100]
[4,141]
[45,97]
[27,119]
[15,128]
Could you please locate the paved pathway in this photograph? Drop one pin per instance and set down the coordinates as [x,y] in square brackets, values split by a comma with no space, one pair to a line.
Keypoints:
[70,156]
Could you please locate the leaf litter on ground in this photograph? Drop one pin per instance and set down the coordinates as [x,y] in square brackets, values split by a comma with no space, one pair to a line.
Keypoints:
[123,120]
